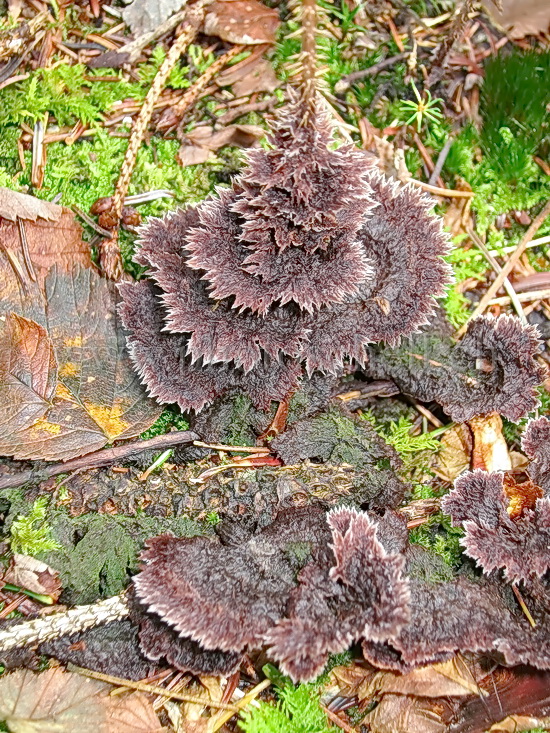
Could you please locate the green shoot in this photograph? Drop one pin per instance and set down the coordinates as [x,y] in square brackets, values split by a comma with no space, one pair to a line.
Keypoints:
[31,535]
[425,108]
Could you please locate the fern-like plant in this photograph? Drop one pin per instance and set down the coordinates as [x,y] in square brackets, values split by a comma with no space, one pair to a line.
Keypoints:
[297,711]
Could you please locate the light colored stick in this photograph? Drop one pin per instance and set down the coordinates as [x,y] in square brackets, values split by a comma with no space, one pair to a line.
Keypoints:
[509,266]
[45,628]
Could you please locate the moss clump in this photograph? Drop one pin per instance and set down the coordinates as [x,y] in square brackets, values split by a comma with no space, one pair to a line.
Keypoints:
[31,534]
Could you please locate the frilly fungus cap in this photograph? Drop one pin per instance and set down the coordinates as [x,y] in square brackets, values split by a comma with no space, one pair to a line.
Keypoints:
[310,255]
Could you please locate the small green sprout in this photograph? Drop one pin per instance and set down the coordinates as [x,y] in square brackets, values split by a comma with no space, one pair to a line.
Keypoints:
[31,534]
[424,108]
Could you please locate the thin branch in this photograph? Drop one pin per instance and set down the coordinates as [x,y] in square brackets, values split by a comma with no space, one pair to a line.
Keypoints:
[346,81]
[442,157]
[537,222]
[45,628]
[152,689]
[445,192]
[110,258]
[100,458]
[497,268]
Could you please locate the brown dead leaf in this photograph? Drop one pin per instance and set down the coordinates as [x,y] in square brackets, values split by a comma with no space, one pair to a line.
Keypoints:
[204,140]
[447,679]
[455,454]
[252,74]
[32,574]
[241,21]
[402,714]
[98,397]
[518,723]
[490,450]
[34,237]
[521,18]
[15,205]
[63,702]
[28,374]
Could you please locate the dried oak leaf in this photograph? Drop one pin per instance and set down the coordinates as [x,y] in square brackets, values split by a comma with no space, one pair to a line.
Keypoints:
[536,444]
[28,374]
[495,537]
[493,369]
[97,398]
[307,258]
[356,590]
[241,21]
[63,702]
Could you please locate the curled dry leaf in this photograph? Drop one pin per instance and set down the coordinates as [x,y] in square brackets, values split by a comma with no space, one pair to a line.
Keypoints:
[15,205]
[520,18]
[402,714]
[253,74]
[144,16]
[34,575]
[28,374]
[490,449]
[241,21]
[452,678]
[205,140]
[63,702]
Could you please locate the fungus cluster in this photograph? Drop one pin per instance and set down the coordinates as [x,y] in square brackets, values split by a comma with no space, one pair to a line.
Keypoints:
[308,257]
[306,586]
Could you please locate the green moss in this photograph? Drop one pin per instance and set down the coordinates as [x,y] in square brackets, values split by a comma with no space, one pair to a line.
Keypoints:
[466,264]
[498,160]
[31,534]
[297,711]
[438,536]
[168,419]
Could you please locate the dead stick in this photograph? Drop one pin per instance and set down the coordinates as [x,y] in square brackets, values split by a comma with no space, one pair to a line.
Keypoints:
[45,628]
[100,458]
[346,81]
[509,265]
[151,689]
[193,93]
[110,258]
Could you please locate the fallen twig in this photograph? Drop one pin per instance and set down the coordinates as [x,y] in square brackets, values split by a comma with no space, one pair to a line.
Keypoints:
[440,162]
[497,268]
[109,256]
[176,112]
[445,192]
[100,458]
[529,297]
[509,266]
[152,689]
[45,628]
[346,81]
